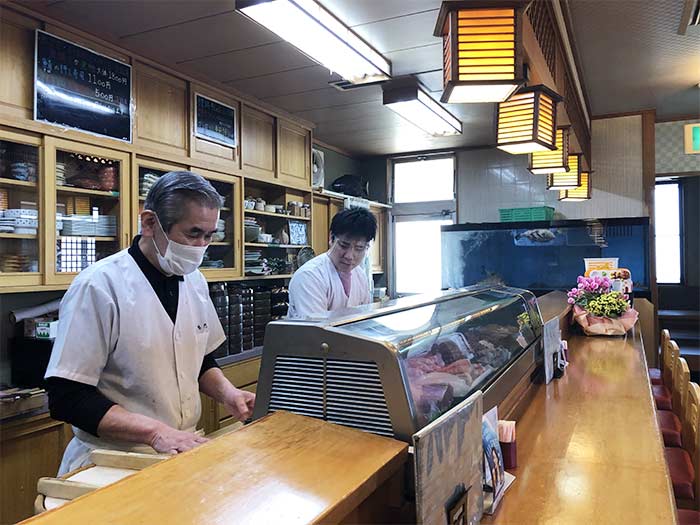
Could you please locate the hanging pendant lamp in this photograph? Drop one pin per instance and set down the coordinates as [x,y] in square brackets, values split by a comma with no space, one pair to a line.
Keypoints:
[580,193]
[482,50]
[566,180]
[527,121]
[545,162]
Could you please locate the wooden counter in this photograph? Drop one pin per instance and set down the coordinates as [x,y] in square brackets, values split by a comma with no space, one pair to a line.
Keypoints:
[589,448]
[283,468]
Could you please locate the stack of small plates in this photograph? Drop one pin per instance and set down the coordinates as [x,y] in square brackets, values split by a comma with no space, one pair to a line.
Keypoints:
[148,180]
[61,173]
[106,226]
[7,225]
[14,263]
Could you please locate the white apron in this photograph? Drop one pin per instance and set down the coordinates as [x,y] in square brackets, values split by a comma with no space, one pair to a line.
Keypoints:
[115,334]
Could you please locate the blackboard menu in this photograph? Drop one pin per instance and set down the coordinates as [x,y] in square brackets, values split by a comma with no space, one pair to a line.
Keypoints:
[78,88]
[215,121]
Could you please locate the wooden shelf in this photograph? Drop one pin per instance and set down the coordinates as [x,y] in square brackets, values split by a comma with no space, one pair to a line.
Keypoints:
[97,239]
[17,236]
[281,246]
[83,191]
[220,243]
[225,208]
[13,182]
[275,276]
[277,215]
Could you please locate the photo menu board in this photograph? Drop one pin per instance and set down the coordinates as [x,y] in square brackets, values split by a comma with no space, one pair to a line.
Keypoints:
[77,88]
[215,121]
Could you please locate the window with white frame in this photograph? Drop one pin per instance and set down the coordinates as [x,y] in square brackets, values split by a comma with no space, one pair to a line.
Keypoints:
[667,224]
[424,200]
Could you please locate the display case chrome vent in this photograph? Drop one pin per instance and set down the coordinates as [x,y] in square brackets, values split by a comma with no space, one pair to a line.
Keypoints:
[348,393]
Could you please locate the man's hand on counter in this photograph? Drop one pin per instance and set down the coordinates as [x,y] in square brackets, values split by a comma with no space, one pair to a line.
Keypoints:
[167,440]
[240,403]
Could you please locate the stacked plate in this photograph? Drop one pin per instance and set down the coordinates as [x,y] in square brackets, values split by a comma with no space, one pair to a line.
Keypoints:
[25,171]
[86,225]
[148,180]
[14,263]
[7,225]
[61,173]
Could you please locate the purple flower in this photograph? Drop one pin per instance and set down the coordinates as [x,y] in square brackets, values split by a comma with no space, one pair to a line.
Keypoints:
[570,300]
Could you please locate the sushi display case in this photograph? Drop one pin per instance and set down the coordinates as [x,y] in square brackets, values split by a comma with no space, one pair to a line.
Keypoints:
[394,368]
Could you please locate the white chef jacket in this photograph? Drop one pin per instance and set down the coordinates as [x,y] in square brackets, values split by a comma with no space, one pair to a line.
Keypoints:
[316,289]
[115,334]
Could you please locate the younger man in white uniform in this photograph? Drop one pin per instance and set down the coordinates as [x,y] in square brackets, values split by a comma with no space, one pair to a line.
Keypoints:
[334,279]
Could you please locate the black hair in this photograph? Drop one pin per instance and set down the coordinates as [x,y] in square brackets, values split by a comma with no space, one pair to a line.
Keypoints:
[355,222]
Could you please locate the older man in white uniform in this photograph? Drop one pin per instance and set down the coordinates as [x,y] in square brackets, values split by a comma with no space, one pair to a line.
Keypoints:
[136,333]
[335,279]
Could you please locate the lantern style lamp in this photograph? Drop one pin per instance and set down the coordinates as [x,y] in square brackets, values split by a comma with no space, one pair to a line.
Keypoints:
[527,121]
[482,50]
[545,162]
[580,193]
[566,180]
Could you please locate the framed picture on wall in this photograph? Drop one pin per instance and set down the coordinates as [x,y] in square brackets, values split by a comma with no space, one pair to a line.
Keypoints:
[297,233]
[692,139]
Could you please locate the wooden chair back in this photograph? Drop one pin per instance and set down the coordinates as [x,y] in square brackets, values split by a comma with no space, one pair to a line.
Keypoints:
[681,379]
[691,432]
[670,354]
[665,340]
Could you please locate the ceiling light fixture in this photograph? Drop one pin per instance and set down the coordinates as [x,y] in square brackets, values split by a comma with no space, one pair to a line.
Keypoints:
[316,32]
[545,162]
[527,120]
[482,50]
[407,98]
[566,180]
[581,193]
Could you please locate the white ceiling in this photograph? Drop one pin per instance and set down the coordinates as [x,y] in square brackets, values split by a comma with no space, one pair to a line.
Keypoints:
[633,58]
[209,39]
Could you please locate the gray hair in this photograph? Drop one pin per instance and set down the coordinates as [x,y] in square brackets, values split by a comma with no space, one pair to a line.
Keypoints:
[168,197]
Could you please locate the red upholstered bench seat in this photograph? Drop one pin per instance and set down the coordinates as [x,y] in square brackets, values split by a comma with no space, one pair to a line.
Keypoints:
[670,427]
[662,397]
[655,376]
[688,517]
[682,472]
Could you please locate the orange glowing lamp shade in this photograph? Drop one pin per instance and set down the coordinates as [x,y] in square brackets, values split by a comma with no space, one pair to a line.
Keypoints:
[482,50]
[566,180]
[545,162]
[580,193]
[527,121]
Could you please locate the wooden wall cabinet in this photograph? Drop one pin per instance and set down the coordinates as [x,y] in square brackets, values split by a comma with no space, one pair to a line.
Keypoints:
[229,158]
[320,224]
[230,249]
[258,143]
[16,64]
[95,222]
[29,449]
[161,110]
[294,154]
[378,250]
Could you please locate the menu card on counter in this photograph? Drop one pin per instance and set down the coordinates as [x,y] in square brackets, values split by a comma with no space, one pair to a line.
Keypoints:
[215,121]
[77,88]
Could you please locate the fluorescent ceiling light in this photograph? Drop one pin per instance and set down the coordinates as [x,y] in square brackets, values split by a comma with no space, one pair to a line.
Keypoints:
[411,102]
[316,32]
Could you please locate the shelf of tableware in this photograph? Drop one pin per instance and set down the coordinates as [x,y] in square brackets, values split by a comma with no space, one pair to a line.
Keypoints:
[113,201]
[276,215]
[18,191]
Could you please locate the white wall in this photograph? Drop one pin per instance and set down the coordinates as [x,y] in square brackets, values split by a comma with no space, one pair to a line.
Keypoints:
[490,179]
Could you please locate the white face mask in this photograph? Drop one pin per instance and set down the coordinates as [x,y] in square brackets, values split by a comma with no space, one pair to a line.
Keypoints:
[179,259]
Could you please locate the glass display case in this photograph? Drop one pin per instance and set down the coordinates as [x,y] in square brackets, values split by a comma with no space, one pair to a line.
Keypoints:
[542,256]
[19,209]
[394,369]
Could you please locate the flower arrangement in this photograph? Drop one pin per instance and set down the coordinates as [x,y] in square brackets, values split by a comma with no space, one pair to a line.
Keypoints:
[600,310]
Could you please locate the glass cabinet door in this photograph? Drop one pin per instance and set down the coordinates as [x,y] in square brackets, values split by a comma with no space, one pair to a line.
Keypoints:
[20,210]
[88,188]
[149,171]
[222,259]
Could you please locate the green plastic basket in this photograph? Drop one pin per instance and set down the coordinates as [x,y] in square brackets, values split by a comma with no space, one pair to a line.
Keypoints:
[538,213]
